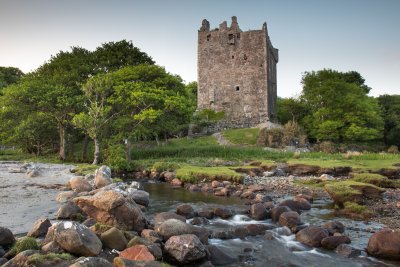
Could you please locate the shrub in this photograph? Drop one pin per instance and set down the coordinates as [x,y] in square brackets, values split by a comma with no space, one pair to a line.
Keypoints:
[327,147]
[293,134]
[24,243]
[296,155]
[270,137]
[393,149]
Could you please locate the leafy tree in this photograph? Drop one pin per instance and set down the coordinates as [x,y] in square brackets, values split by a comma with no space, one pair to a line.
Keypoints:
[390,105]
[291,109]
[9,75]
[340,109]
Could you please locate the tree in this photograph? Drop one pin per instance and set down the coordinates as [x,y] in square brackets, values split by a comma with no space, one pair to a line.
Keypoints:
[340,109]
[98,110]
[390,106]
[9,75]
[291,109]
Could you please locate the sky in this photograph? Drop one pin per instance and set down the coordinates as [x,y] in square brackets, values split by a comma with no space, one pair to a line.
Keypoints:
[344,35]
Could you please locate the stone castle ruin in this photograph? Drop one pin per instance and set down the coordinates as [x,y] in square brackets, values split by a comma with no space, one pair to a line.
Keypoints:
[237,74]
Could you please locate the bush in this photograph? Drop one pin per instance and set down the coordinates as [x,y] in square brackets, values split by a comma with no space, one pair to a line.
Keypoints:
[293,135]
[393,149]
[115,157]
[327,147]
[24,243]
[270,137]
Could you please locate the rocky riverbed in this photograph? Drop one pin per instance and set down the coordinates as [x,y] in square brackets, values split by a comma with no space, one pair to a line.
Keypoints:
[218,223]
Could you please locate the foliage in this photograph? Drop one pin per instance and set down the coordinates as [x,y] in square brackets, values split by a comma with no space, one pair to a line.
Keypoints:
[9,75]
[24,243]
[196,174]
[393,149]
[291,109]
[390,105]
[247,136]
[340,109]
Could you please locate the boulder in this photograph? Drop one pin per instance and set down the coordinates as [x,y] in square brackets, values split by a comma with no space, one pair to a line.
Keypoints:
[91,262]
[40,228]
[114,239]
[6,237]
[199,221]
[385,244]
[208,214]
[77,239]
[121,262]
[68,210]
[151,236]
[137,253]
[139,196]
[257,229]
[112,208]
[185,248]
[79,184]
[65,196]
[297,204]
[219,257]
[332,242]
[176,182]
[216,184]
[334,227]
[312,236]
[185,210]
[161,217]
[173,227]
[348,251]
[136,185]
[224,213]
[290,219]
[258,211]
[277,211]
[20,258]
[261,198]
[102,177]
[52,247]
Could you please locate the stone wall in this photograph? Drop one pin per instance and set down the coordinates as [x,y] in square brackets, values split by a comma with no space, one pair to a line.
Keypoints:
[237,74]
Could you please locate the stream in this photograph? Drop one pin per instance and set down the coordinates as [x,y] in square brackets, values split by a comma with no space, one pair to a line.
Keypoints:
[258,251]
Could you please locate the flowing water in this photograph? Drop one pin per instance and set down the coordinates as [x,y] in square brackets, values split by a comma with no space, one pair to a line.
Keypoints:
[258,251]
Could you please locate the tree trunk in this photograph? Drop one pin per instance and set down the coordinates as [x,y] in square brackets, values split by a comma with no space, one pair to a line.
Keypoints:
[85,147]
[63,141]
[128,151]
[96,158]
[157,141]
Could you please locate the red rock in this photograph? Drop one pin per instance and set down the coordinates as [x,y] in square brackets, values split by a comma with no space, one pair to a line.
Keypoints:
[137,253]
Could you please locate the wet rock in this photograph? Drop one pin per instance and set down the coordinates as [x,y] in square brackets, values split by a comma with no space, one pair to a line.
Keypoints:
[237,193]
[298,228]
[137,253]
[185,210]
[136,185]
[176,182]
[39,228]
[6,237]
[258,212]
[3,261]
[199,221]
[91,262]
[312,236]
[257,229]
[114,239]
[68,210]
[151,236]
[277,211]
[248,194]
[77,239]
[334,227]
[89,222]
[185,248]
[121,262]
[216,184]
[79,184]
[290,219]
[173,227]
[226,183]
[222,235]
[52,247]
[194,188]
[112,208]
[2,252]
[20,258]
[208,214]
[140,197]
[219,257]
[261,198]
[255,188]
[222,192]
[33,173]
[348,251]
[297,204]
[63,197]
[102,176]
[309,198]
[223,213]
[385,244]
[240,232]
[331,242]
[161,217]
[202,233]
[283,231]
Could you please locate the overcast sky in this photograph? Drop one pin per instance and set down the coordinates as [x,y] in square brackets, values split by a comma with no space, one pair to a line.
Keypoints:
[360,35]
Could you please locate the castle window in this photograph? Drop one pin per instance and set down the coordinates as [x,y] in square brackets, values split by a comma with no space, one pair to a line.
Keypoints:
[209,37]
[231,39]
[245,57]
[233,57]
[237,88]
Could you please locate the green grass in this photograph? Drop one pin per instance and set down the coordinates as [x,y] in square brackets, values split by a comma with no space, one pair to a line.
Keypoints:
[375,179]
[24,243]
[196,174]
[355,208]
[246,136]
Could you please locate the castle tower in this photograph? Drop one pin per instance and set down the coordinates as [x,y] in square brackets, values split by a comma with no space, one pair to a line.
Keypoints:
[237,74]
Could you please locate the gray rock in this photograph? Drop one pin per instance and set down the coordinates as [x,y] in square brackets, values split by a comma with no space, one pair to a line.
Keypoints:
[136,185]
[91,262]
[52,247]
[348,251]
[103,177]
[258,211]
[65,196]
[185,248]
[77,239]
[114,239]
[173,227]
[185,210]
[219,257]
[161,217]
[40,228]
[68,210]
[139,196]
[6,237]
[312,236]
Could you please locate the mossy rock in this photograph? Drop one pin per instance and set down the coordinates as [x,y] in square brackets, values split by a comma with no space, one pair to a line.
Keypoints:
[50,258]
[24,243]
[375,179]
[348,190]
[355,211]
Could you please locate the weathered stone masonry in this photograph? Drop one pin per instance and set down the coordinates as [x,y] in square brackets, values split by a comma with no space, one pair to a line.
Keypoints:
[237,74]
